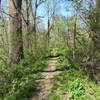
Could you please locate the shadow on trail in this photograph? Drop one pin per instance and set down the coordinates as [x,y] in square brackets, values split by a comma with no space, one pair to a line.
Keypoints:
[61,69]
[44,84]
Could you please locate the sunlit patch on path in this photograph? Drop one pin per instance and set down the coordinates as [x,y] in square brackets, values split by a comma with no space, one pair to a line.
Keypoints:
[44,84]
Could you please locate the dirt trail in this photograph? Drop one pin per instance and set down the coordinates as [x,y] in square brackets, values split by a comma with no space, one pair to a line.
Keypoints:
[44,84]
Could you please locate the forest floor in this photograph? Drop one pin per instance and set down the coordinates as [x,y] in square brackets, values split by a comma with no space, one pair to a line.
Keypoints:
[44,85]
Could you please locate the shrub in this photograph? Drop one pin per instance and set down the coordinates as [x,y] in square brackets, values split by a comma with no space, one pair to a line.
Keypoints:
[18,81]
[77,90]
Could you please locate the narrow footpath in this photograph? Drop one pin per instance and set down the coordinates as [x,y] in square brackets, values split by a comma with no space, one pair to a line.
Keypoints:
[44,84]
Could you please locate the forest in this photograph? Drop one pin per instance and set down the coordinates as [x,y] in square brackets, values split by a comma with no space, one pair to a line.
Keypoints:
[49,49]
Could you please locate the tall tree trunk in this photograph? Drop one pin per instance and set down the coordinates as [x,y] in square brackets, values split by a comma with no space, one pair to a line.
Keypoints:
[48,33]
[96,35]
[15,32]
[28,40]
[74,37]
[0,3]
[34,26]
[98,20]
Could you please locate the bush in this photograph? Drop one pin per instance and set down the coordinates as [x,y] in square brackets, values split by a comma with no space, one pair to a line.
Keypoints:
[61,50]
[18,81]
[77,90]
[63,63]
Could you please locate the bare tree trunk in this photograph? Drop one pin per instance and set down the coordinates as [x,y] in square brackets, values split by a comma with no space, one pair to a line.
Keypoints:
[28,47]
[15,32]
[96,32]
[34,27]
[97,35]
[48,32]
[51,13]
[34,15]
[0,3]
[74,40]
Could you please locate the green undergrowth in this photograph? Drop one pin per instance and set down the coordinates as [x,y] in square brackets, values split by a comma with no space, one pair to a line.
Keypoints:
[63,63]
[18,82]
[73,84]
[59,50]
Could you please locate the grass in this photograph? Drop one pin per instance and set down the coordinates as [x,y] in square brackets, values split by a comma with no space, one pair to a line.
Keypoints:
[73,83]
[18,82]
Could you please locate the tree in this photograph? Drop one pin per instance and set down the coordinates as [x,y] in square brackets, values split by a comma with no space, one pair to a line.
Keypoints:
[0,3]
[15,31]
[96,38]
[51,9]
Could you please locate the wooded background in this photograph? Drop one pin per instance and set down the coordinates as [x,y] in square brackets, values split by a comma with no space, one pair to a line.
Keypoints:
[24,33]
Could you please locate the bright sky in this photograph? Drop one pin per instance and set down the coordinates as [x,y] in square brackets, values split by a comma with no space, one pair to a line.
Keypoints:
[61,8]
[64,8]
